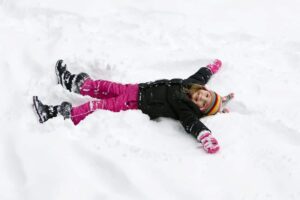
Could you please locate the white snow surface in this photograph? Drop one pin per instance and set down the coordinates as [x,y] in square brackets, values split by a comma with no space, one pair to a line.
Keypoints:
[125,155]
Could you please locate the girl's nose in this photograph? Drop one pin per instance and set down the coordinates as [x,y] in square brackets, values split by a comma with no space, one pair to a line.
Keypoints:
[204,98]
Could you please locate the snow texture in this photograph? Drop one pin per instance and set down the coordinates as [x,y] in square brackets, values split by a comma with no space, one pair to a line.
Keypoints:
[125,155]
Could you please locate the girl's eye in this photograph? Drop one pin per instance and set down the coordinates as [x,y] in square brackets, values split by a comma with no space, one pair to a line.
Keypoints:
[207,95]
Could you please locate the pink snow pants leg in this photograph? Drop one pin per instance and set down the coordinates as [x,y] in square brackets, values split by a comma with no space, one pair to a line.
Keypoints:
[112,96]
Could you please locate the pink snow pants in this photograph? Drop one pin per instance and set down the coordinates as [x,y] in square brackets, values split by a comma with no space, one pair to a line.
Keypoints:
[111,96]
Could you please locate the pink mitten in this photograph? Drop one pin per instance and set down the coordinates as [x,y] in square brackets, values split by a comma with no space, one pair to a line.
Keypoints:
[215,66]
[210,144]
[225,100]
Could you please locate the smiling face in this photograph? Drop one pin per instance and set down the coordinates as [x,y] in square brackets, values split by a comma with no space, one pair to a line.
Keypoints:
[201,98]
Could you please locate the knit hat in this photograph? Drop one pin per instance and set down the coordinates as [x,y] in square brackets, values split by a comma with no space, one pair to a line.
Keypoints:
[214,105]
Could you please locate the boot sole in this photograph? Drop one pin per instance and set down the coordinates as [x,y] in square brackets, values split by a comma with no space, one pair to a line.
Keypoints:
[57,72]
[35,99]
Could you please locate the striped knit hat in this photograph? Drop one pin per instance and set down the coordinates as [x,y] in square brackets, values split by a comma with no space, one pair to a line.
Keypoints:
[214,105]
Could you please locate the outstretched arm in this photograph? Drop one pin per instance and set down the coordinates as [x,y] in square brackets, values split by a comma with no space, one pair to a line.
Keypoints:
[203,75]
[203,135]
[194,126]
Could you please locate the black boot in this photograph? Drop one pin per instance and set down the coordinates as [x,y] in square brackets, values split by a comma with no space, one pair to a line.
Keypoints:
[71,82]
[45,112]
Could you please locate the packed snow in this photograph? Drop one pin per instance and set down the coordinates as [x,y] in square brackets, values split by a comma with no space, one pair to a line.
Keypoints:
[125,155]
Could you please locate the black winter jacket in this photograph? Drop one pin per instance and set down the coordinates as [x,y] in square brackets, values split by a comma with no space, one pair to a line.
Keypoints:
[166,98]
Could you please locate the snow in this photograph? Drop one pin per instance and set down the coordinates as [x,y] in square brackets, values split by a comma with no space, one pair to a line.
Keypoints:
[125,155]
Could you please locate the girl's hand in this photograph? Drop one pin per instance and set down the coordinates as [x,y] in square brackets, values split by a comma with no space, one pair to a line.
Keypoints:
[210,144]
[227,98]
[215,66]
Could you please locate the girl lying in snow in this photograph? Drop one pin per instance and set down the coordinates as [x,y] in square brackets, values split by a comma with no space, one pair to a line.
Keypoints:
[185,100]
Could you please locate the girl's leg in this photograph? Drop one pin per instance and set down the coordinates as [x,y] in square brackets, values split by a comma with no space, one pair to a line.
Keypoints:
[45,112]
[69,81]
[102,89]
[126,101]
[82,84]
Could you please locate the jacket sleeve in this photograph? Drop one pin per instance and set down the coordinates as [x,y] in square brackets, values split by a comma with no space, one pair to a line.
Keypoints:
[187,117]
[201,77]
[191,123]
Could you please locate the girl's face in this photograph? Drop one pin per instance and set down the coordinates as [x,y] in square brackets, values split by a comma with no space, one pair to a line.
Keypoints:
[202,98]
